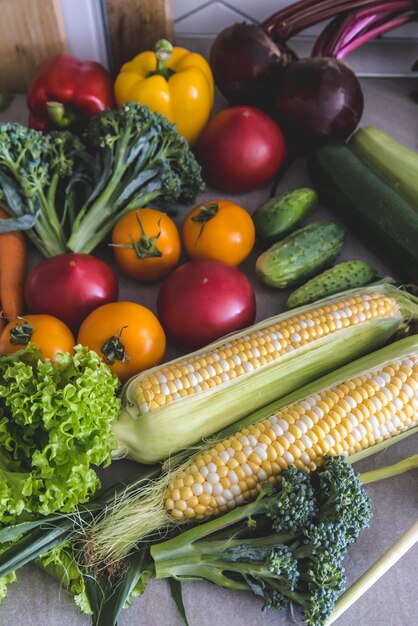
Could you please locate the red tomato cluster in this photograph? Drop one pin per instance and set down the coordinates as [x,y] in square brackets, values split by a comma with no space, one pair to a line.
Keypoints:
[200,301]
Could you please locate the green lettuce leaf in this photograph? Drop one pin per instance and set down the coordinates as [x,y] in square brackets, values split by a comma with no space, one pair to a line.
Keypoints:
[55,423]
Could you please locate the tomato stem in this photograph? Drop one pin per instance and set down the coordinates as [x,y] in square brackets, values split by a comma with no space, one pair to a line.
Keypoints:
[206,213]
[114,350]
[21,333]
[145,246]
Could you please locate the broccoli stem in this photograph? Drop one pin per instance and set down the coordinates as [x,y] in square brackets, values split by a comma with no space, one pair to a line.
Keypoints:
[217,547]
[185,539]
[47,234]
[182,543]
[45,239]
[52,220]
[86,223]
[375,572]
[169,551]
[86,235]
[196,569]
[210,565]
[94,223]
[52,190]
[391,470]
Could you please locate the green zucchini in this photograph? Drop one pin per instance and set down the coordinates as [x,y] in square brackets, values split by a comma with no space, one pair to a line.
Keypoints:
[347,275]
[277,217]
[301,255]
[380,215]
[395,163]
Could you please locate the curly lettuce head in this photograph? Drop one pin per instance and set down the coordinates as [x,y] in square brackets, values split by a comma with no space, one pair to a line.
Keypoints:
[55,423]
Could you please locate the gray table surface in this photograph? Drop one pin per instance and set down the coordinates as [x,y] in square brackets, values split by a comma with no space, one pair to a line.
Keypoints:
[36,600]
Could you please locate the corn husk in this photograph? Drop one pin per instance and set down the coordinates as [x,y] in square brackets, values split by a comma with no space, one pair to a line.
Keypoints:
[149,437]
[139,513]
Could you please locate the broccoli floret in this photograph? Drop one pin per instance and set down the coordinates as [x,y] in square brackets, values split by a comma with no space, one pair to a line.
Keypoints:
[324,578]
[300,532]
[322,536]
[341,497]
[36,176]
[273,599]
[138,158]
[320,606]
[293,503]
[283,579]
[343,510]
[282,564]
[69,196]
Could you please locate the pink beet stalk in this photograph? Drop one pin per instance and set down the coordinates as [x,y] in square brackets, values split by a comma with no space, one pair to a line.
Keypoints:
[286,23]
[349,31]
[372,34]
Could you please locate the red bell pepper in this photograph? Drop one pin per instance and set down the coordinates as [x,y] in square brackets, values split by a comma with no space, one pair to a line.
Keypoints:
[65,91]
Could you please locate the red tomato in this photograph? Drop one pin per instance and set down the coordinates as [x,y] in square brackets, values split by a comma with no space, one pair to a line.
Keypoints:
[70,286]
[203,300]
[241,148]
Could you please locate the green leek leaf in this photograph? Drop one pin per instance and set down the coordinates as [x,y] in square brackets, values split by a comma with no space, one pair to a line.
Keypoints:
[177,595]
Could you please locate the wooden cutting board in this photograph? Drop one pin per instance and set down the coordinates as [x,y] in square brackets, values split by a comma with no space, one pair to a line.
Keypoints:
[30,31]
[135,26]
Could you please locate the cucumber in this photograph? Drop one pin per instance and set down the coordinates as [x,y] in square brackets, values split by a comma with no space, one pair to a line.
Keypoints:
[347,275]
[277,217]
[381,217]
[301,255]
[395,163]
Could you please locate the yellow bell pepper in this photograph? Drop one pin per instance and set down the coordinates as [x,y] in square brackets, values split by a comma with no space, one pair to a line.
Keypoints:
[172,81]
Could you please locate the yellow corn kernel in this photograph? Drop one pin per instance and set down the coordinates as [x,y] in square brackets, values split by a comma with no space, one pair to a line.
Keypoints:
[257,347]
[342,429]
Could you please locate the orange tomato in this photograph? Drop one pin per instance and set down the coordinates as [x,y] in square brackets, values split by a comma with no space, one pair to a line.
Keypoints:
[146,244]
[127,336]
[219,230]
[48,334]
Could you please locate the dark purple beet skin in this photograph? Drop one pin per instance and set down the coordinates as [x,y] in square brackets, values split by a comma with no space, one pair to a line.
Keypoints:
[318,100]
[246,63]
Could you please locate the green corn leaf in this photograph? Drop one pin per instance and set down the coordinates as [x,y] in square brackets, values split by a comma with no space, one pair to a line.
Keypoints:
[15,530]
[108,596]
[32,545]
[177,595]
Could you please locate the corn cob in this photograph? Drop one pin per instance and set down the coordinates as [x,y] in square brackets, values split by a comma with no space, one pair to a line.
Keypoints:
[343,419]
[356,411]
[195,396]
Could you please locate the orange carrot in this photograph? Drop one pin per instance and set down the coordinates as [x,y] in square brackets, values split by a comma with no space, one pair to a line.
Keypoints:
[12,271]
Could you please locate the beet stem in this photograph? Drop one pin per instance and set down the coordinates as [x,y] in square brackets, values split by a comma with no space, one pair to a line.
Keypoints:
[284,14]
[373,33]
[311,13]
[346,28]
[327,37]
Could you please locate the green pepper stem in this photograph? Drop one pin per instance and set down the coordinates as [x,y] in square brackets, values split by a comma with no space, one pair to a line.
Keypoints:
[163,52]
[60,115]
